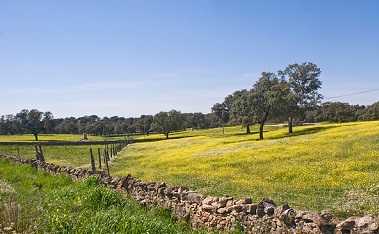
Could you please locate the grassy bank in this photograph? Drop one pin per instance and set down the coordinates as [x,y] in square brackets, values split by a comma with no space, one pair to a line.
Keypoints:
[35,202]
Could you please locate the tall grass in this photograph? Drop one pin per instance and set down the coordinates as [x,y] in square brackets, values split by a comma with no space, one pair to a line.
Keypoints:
[35,202]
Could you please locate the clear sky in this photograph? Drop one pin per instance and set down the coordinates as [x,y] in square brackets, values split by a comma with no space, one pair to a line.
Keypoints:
[134,57]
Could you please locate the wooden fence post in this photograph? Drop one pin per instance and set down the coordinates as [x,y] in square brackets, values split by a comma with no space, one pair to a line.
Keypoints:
[37,153]
[98,152]
[106,161]
[92,160]
[41,154]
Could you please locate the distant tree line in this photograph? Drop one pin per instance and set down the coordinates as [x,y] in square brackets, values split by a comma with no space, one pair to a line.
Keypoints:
[339,112]
[290,95]
[36,122]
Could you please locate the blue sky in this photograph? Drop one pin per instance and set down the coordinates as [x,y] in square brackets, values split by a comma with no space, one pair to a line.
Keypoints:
[129,57]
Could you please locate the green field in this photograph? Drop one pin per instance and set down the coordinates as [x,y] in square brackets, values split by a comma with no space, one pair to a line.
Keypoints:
[36,202]
[67,155]
[324,166]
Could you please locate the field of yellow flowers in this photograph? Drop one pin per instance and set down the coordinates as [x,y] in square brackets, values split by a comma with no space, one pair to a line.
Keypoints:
[323,166]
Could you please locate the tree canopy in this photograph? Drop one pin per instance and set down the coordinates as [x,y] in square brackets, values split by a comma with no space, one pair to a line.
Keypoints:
[33,121]
[303,84]
[166,122]
[267,98]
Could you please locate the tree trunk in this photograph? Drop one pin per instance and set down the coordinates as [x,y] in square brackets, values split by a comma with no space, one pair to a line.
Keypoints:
[247,129]
[35,136]
[223,128]
[290,125]
[261,130]
[166,134]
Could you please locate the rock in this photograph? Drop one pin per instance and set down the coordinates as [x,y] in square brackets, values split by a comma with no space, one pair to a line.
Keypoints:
[326,222]
[307,217]
[195,197]
[251,208]
[208,200]
[229,203]
[209,208]
[221,210]
[266,206]
[373,225]
[281,209]
[162,185]
[168,191]
[369,223]
[327,219]
[245,200]
[237,208]
[288,216]
[182,189]
[267,200]
[151,187]
[269,210]
[348,224]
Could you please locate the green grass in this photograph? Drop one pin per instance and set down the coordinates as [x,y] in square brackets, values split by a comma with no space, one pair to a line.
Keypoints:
[46,137]
[67,155]
[36,202]
[55,137]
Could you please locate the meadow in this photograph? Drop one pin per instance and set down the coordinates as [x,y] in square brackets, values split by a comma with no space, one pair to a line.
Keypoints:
[323,166]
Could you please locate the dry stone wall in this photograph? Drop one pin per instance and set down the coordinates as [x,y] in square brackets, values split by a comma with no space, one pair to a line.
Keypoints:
[220,213]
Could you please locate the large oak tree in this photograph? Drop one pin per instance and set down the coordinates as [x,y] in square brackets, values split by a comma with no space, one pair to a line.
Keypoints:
[303,89]
[33,121]
[267,98]
[166,122]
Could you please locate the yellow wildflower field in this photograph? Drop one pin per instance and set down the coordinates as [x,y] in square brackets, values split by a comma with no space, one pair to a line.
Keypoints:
[324,166]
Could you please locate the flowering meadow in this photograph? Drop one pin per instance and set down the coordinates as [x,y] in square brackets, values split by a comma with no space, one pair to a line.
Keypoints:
[323,166]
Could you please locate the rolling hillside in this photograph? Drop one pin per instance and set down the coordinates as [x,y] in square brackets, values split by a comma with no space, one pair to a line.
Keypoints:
[326,166]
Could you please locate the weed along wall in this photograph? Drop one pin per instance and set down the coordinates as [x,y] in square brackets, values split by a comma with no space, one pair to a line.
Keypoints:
[221,213]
